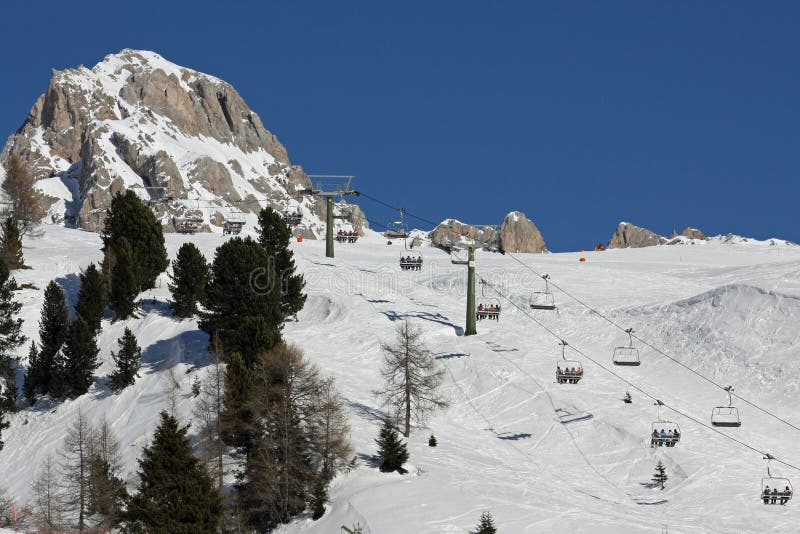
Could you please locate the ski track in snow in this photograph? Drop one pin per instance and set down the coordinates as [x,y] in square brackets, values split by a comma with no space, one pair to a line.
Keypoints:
[729,311]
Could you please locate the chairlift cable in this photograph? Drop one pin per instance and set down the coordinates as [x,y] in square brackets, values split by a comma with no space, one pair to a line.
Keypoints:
[631,384]
[656,349]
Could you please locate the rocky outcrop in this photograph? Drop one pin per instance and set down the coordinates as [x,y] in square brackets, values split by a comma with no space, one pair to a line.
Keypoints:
[628,235]
[694,233]
[520,234]
[454,233]
[181,139]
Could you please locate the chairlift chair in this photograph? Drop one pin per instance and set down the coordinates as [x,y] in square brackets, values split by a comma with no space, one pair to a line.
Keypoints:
[459,256]
[411,263]
[543,300]
[726,416]
[628,355]
[187,225]
[292,218]
[234,222]
[775,490]
[572,371]
[664,433]
[396,230]
[488,307]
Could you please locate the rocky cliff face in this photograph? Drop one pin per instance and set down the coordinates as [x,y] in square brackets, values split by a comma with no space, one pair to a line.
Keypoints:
[517,233]
[520,234]
[631,236]
[183,140]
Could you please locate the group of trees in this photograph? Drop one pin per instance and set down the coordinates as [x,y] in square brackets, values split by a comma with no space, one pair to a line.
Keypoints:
[64,363]
[81,485]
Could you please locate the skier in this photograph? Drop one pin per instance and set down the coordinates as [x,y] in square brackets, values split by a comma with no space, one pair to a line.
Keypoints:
[765,495]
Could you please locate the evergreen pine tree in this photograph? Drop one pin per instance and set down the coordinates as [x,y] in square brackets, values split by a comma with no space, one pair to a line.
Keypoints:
[432,441]
[44,372]
[124,281]
[130,219]
[660,476]
[237,415]
[10,323]
[188,280]
[91,303]
[243,310]
[127,360]
[486,524]
[319,497]
[80,358]
[627,398]
[10,338]
[11,245]
[274,236]
[391,449]
[30,386]
[175,492]
[26,200]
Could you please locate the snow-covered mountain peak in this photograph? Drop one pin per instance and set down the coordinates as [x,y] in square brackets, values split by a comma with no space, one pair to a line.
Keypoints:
[183,140]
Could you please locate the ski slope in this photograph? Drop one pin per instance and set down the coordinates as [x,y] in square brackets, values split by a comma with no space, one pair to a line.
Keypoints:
[728,310]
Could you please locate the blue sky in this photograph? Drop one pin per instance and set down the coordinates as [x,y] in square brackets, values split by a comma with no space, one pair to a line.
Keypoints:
[581,114]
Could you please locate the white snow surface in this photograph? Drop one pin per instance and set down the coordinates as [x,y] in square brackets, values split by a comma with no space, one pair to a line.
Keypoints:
[729,311]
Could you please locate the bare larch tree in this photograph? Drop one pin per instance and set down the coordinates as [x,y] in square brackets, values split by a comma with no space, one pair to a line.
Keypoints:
[412,378]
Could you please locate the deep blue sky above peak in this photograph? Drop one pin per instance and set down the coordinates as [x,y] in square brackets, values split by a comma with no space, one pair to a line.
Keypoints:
[581,114]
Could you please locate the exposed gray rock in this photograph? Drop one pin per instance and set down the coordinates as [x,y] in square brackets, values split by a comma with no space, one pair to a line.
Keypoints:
[631,236]
[520,234]
[694,233]
[452,232]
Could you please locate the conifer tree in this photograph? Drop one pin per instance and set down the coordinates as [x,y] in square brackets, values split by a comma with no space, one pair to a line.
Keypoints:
[188,280]
[10,338]
[242,309]
[660,477]
[91,303]
[486,524]
[274,236]
[11,245]
[10,324]
[391,449]
[80,358]
[237,415]
[3,425]
[26,201]
[319,496]
[44,373]
[130,219]
[412,377]
[124,281]
[30,386]
[175,493]
[127,360]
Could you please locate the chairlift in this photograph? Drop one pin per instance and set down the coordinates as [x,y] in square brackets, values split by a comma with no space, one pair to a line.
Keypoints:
[543,300]
[411,263]
[488,307]
[627,355]
[233,223]
[664,433]
[459,256]
[187,225]
[727,416]
[292,218]
[572,371]
[775,490]
[346,236]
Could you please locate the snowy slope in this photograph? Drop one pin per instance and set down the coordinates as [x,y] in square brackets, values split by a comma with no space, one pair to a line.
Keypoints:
[728,310]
